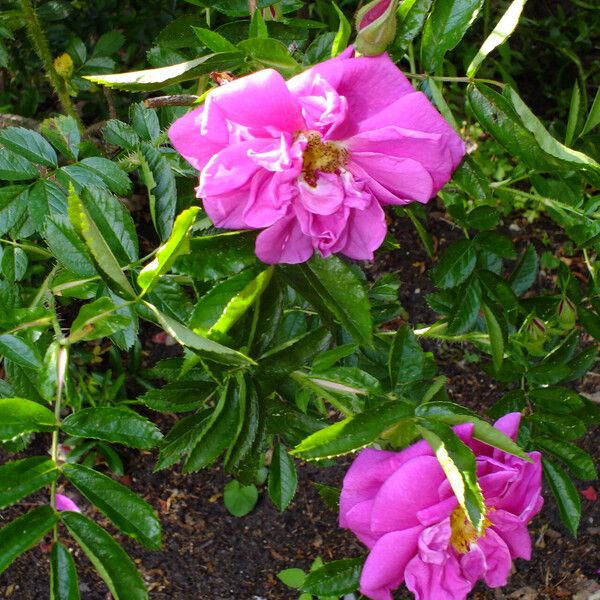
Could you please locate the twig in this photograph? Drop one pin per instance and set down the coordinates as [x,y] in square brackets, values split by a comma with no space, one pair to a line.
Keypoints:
[7,120]
[176,100]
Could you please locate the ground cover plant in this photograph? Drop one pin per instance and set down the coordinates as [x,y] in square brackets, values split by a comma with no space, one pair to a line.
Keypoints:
[226,181]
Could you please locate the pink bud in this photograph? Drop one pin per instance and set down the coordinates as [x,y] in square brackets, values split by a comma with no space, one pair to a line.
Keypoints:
[65,503]
[376,25]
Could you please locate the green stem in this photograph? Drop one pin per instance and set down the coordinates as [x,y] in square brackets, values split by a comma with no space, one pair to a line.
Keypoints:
[422,76]
[42,48]
[590,266]
[28,248]
[39,297]
[411,58]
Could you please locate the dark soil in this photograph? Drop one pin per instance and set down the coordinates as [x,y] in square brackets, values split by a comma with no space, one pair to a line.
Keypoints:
[210,555]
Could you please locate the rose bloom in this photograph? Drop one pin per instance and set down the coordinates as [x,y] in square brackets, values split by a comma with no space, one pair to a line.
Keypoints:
[401,506]
[311,161]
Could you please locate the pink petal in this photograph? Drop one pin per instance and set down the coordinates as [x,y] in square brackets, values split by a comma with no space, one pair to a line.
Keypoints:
[284,242]
[227,210]
[260,101]
[358,520]
[405,178]
[410,489]
[366,232]
[270,197]
[384,568]
[186,137]
[325,198]
[497,559]
[509,425]
[513,531]
[369,84]
[414,111]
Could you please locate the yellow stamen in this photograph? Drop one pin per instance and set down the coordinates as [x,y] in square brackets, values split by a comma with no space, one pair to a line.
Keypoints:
[326,157]
[463,533]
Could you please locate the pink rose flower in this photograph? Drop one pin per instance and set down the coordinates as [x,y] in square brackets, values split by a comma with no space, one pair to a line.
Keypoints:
[312,160]
[401,506]
[65,503]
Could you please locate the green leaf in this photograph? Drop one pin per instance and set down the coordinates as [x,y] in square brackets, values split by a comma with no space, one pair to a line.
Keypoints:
[268,53]
[46,198]
[214,41]
[162,191]
[471,179]
[407,361]
[456,264]
[121,134]
[499,118]
[293,578]
[549,144]
[335,578]
[22,352]
[465,310]
[111,174]
[483,217]
[145,122]
[155,79]
[14,167]
[411,17]
[574,110]
[23,533]
[559,400]
[294,354]
[63,574]
[220,430]
[258,27]
[13,205]
[525,271]
[85,226]
[499,289]
[179,396]
[19,416]
[496,336]
[240,499]
[506,25]
[566,494]
[181,439]
[590,321]
[23,477]
[111,561]
[564,427]
[177,245]
[14,264]
[63,133]
[578,461]
[330,495]
[283,479]
[217,256]
[340,42]
[458,463]
[353,433]
[130,513]
[445,27]
[335,291]
[593,118]
[67,247]
[29,144]
[203,346]
[110,424]
[228,301]
[97,320]
[347,380]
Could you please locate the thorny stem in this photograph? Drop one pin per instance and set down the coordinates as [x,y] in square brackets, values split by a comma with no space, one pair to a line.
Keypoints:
[42,48]
[589,265]
[422,76]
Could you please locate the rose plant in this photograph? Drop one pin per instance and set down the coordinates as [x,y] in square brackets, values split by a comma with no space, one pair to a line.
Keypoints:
[227,210]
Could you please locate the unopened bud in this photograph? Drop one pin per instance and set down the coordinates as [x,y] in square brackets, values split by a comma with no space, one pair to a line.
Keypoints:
[376,26]
[63,65]
[536,330]
[271,13]
[566,313]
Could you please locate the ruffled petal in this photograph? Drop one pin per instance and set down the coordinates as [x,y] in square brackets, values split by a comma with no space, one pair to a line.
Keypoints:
[366,231]
[283,242]
[227,210]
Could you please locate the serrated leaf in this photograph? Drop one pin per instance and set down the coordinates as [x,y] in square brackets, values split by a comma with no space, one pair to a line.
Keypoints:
[214,41]
[335,578]
[283,479]
[29,144]
[121,134]
[110,424]
[14,167]
[496,336]
[63,574]
[353,433]
[456,264]
[97,320]
[578,461]
[525,271]
[23,533]
[465,310]
[116,180]
[111,561]
[129,513]
[23,477]
[268,53]
[20,350]
[566,494]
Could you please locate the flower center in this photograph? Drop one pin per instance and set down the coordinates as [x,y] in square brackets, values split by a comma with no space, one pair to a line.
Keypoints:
[326,157]
[463,533]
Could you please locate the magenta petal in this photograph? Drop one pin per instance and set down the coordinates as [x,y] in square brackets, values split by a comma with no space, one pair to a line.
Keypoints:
[366,232]
[260,101]
[369,84]
[497,558]
[411,488]
[226,210]
[284,242]
[430,581]
[325,198]
[270,197]
[358,519]
[405,178]
[65,503]
[187,139]
[509,425]
[384,567]
[513,531]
